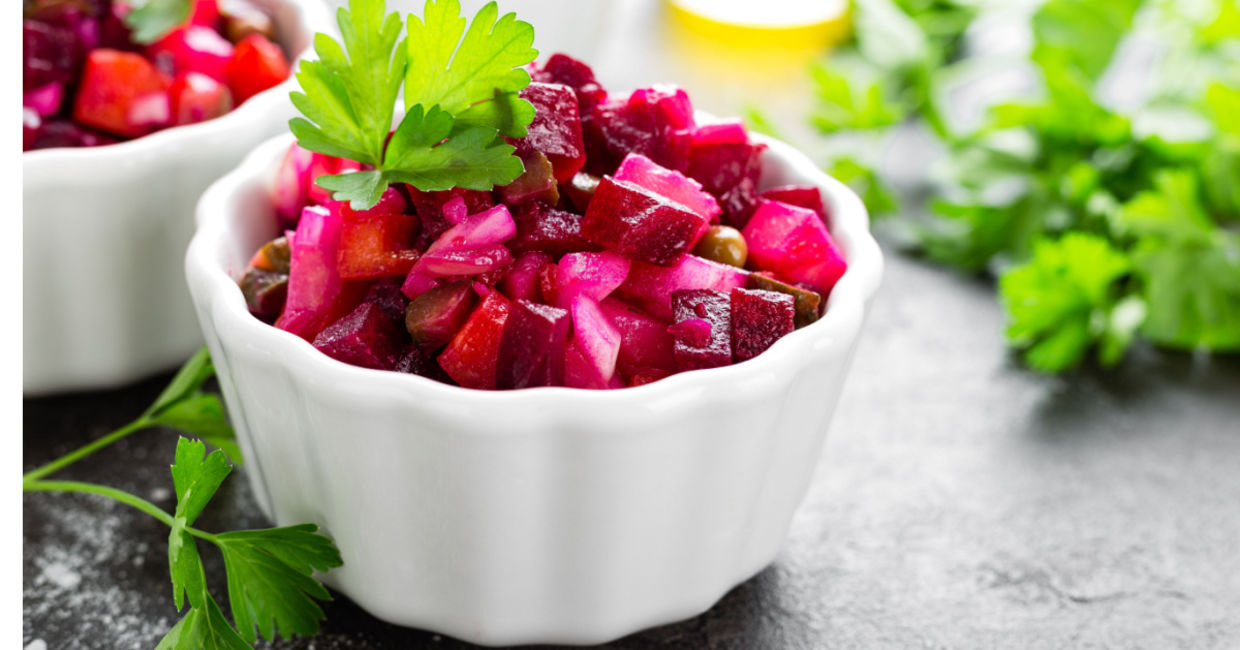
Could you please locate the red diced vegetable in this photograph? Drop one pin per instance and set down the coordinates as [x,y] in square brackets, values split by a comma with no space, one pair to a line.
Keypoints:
[532,349]
[639,224]
[563,69]
[759,318]
[668,183]
[540,227]
[196,97]
[805,196]
[472,356]
[794,243]
[556,129]
[522,281]
[596,340]
[314,282]
[366,338]
[644,341]
[120,92]
[698,347]
[651,287]
[193,48]
[257,64]
[595,275]
[730,131]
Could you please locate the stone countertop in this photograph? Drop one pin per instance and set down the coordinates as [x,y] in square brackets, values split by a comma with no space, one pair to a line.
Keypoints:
[960,501]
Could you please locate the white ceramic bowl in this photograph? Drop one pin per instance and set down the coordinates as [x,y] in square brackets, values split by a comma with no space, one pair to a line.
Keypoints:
[105,231]
[538,515]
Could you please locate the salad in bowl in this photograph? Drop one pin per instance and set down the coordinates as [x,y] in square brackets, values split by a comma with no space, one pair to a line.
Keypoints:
[417,330]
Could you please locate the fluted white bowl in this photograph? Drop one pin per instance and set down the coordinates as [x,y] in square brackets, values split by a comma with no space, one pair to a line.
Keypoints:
[537,515]
[105,230]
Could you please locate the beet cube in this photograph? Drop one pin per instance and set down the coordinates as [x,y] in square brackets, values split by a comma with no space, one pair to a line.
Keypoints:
[122,93]
[416,361]
[563,69]
[580,190]
[805,196]
[523,282]
[387,296]
[794,243]
[429,208]
[759,318]
[730,172]
[651,287]
[366,338]
[532,348]
[639,224]
[472,356]
[808,303]
[435,317]
[556,129]
[690,350]
[543,228]
[656,122]
[644,341]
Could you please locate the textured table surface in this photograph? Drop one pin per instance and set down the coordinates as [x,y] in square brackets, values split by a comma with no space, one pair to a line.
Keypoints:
[960,502]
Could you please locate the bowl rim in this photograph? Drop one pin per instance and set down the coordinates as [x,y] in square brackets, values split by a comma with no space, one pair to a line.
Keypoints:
[311,17]
[221,302]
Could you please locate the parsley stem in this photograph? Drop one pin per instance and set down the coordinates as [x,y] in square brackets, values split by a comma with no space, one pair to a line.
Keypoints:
[86,450]
[115,494]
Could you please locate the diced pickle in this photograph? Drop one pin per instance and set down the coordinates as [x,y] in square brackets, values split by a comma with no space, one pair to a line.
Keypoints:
[273,256]
[265,292]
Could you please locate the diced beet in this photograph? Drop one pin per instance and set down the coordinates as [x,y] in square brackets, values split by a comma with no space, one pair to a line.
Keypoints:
[580,190]
[656,122]
[532,351]
[257,64]
[759,318]
[648,376]
[651,287]
[366,338]
[522,281]
[644,340]
[730,131]
[434,317]
[808,303]
[690,350]
[455,210]
[580,372]
[730,172]
[563,69]
[314,281]
[805,196]
[45,100]
[639,224]
[375,243]
[668,183]
[429,208]
[416,361]
[51,53]
[556,129]
[472,356]
[196,97]
[595,275]
[290,186]
[739,203]
[540,227]
[536,183]
[450,262]
[387,297]
[64,133]
[486,228]
[596,338]
[794,243]
[265,292]
[193,48]
[31,126]
[119,92]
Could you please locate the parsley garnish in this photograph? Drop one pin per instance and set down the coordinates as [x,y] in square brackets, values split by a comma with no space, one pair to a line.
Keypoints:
[1102,227]
[461,98]
[153,19]
[270,572]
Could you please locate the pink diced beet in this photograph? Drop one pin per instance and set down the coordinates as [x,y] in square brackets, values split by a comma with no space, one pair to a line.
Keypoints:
[472,356]
[543,228]
[651,287]
[590,274]
[713,307]
[532,349]
[314,281]
[46,99]
[644,341]
[388,298]
[656,122]
[193,48]
[491,226]
[563,69]
[639,224]
[522,281]
[640,170]
[556,129]
[448,262]
[290,186]
[805,196]
[759,318]
[596,338]
[366,338]
[730,172]
[731,131]
[793,243]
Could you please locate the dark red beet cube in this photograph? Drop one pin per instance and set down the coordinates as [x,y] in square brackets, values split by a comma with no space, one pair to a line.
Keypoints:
[806,196]
[543,228]
[388,297]
[429,208]
[366,337]
[692,350]
[729,172]
[434,318]
[532,351]
[556,129]
[639,224]
[563,69]
[416,361]
[759,318]
[655,122]
[473,354]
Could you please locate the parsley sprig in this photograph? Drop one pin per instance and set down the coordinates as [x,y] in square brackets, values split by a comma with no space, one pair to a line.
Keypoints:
[153,19]
[271,587]
[1103,225]
[460,88]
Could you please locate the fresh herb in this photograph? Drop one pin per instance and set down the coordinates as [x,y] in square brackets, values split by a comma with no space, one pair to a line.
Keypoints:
[1103,226]
[270,572]
[153,19]
[461,99]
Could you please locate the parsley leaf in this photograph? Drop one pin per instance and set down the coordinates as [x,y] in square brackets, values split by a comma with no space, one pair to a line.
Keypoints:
[196,477]
[1081,34]
[1064,300]
[203,629]
[270,581]
[153,19]
[183,405]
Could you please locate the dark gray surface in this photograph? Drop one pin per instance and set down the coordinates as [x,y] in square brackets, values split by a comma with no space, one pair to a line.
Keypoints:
[960,502]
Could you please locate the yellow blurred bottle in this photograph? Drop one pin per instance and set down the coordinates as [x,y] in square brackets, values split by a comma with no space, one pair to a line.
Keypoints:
[789,25]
